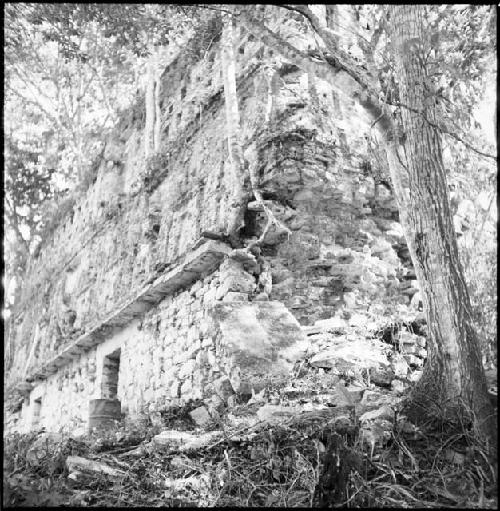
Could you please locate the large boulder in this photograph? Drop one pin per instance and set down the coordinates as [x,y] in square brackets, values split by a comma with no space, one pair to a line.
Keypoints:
[352,353]
[262,339]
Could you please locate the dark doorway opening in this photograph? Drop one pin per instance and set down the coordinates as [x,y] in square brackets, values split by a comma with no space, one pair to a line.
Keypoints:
[37,408]
[110,373]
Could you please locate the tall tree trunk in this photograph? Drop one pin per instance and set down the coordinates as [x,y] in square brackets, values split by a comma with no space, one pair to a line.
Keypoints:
[150,107]
[157,94]
[235,151]
[453,376]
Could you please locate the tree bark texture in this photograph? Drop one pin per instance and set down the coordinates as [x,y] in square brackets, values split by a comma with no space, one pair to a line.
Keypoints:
[150,108]
[242,169]
[453,376]
[158,116]
[235,151]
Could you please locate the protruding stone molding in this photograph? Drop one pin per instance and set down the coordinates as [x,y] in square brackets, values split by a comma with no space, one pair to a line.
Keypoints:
[197,264]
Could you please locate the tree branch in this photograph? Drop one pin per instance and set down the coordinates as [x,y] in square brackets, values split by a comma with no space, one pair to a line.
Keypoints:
[40,107]
[443,128]
[341,71]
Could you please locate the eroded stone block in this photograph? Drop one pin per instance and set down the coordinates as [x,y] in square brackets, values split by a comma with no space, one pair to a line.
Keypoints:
[201,416]
[262,338]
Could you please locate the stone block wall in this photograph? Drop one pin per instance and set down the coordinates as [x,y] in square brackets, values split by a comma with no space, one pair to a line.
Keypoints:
[139,219]
[176,353]
[321,178]
[131,226]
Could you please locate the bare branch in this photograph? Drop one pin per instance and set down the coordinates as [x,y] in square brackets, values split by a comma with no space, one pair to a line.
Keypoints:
[343,73]
[52,117]
[443,128]
[211,8]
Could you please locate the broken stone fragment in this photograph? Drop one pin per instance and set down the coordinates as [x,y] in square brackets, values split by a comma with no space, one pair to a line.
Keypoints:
[201,417]
[415,376]
[184,441]
[381,378]
[422,353]
[78,464]
[232,401]
[223,388]
[397,386]
[375,398]
[334,323]
[341,396]
[246,259]
[358,320]
[276,413]
[351,353]
[265,280]
[399,365]
[240,283]
[414,361]
[215,406]
[355,392]
[79,432]
[187,368]
[75,475]
[193,483]
[380,247]
[233,296]
[384,412]
[262,297]
[350,299]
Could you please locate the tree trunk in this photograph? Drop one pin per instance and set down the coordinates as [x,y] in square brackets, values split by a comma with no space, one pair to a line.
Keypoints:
[150,107]
[241,167]
[233,127]
[157,95]
[453,377]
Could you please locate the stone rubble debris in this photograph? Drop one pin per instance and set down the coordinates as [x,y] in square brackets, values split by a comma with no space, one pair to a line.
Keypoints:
[184,441]
[77,465]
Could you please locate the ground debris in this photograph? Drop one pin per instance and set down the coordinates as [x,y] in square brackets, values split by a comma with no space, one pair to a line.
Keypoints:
[79,464]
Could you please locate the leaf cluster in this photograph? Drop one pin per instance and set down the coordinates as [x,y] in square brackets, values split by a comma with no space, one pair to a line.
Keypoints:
[461,57]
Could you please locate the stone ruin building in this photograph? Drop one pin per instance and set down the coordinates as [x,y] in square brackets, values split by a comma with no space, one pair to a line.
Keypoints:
[140,294]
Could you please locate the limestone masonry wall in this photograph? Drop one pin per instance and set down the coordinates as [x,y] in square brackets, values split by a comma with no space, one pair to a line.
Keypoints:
[213,329]
[120,236]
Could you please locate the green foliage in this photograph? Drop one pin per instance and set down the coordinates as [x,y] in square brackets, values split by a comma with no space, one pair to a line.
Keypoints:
[461,56]
[50,454]
[471,177]
[481,277]
[27,185]
[27,482]
[70,68]
[15,448]
[207,35]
